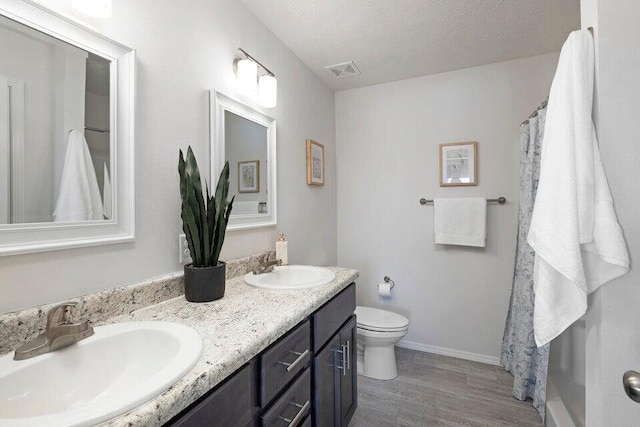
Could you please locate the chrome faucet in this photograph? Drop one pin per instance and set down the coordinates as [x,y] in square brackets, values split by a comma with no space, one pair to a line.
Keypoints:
[60,333]
[267,266]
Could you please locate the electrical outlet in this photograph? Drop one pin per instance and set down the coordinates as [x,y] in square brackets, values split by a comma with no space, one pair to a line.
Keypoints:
[183,247]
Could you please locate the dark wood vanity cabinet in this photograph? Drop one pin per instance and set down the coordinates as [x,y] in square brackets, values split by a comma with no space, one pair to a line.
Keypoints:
[306,378]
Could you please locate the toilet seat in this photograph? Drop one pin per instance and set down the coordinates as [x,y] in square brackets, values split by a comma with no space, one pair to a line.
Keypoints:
[376,320]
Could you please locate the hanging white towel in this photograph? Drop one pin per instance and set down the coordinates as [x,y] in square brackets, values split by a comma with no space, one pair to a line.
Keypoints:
[79,196]
[106,193]
[574,230]
[460,221]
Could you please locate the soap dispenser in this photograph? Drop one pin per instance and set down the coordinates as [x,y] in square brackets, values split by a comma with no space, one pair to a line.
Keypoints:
[282,250]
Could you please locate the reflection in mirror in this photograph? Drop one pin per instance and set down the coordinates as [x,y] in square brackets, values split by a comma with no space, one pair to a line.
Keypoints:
[246,138]
[246,151]
[55,141]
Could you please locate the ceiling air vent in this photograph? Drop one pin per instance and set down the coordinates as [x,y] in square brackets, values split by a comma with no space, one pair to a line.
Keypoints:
[346,69]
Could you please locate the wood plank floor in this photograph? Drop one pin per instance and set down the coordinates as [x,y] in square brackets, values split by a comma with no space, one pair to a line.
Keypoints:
[434,390]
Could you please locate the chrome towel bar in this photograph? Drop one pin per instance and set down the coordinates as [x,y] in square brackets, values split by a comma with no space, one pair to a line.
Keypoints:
[500,200]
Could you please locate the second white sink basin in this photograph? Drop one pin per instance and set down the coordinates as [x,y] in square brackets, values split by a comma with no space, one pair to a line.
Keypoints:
[291,277]
[118,368]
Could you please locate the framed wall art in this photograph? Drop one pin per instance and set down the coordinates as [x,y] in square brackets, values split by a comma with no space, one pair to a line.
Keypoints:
[459,164]
[315,163]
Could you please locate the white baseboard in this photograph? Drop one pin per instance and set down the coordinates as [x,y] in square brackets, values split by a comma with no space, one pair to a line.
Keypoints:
[491,360]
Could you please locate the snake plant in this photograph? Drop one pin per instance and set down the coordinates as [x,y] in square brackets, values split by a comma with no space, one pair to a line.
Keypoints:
[204,217]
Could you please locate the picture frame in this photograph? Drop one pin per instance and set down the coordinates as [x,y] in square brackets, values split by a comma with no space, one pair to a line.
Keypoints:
[459,164]
[249,176]
[315,163]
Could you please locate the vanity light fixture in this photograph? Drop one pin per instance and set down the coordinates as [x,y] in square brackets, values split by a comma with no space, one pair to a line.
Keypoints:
[247,71]
[267,91]
[267,85]
[100,9]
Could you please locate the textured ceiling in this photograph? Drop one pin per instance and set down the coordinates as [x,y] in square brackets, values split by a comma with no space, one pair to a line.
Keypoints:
[397,39]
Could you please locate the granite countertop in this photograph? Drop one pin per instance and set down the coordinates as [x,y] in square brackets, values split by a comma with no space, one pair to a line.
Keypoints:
[234,330]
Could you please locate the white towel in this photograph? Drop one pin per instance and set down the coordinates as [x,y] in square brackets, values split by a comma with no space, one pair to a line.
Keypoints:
[79,195]
[106,193]
[574,230]
[460,221]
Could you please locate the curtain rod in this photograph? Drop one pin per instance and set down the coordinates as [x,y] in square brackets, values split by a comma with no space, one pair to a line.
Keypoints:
[535,113]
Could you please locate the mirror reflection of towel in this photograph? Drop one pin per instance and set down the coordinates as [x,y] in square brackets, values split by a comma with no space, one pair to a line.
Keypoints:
[106,193]
[79,195]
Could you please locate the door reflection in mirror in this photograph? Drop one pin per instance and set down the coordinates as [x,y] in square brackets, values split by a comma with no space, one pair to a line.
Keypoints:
[55,139]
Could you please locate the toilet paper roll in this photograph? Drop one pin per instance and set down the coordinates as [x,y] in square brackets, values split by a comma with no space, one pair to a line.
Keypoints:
[384,289]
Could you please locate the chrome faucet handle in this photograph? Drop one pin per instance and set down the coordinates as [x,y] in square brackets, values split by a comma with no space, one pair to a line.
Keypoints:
[59,315]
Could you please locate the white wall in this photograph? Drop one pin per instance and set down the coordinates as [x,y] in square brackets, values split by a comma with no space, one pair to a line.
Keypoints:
[613,338]
[184,49]
[387,140]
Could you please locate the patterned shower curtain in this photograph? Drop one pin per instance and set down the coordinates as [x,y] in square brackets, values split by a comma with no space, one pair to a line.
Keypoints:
[519,355]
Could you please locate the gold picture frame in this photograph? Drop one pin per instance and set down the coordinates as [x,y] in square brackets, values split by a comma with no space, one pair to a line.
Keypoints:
[249,176]
[315,163]
[458,164]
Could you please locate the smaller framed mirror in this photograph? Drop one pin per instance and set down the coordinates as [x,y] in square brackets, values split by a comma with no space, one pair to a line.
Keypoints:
[246,138]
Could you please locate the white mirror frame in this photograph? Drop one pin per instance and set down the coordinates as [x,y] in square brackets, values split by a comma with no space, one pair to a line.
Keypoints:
[38,237]
[219,103]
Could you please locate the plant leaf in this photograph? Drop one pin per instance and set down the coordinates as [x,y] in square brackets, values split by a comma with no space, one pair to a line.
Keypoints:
[191,230]
[221,228]
[192,170]
[222,190]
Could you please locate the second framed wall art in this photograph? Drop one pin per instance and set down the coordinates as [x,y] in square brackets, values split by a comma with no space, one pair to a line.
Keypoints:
[249,176]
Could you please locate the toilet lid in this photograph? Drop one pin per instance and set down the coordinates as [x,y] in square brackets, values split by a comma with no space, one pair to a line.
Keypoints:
[374,318]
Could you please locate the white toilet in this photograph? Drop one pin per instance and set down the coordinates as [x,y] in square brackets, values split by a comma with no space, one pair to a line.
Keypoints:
[378,332]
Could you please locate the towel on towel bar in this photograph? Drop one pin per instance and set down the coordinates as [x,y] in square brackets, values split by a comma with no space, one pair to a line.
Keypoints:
[574,230]
[460,221]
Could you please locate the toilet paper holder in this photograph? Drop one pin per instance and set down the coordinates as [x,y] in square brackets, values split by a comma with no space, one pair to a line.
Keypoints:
[387,279]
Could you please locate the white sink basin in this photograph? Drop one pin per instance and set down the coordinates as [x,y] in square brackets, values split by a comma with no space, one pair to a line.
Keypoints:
[291,277]
[118,368]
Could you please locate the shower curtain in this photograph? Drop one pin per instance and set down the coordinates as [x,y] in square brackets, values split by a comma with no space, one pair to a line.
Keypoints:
[519,354]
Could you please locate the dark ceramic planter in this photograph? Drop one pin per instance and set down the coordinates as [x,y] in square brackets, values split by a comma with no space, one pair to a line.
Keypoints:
[204,284]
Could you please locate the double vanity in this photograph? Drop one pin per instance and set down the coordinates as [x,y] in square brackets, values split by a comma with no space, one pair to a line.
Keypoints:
[308,374]
[267,357]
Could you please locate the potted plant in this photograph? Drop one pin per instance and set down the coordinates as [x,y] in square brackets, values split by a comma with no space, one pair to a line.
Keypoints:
[204,222]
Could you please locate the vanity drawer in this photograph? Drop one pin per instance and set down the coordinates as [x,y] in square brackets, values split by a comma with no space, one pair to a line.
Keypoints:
[293,405]
[328,319]
[283,361]
[231,404]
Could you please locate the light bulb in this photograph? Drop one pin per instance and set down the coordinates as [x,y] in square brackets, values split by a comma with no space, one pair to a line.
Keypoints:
[95,8]
[247,76]
[267,91]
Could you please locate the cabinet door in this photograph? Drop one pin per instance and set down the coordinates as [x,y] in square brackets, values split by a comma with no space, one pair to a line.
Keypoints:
[231,404]
[326,368]
[349,379]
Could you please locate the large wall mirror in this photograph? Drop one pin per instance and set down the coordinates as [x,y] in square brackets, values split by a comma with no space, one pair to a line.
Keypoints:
[246,138]
[66,133]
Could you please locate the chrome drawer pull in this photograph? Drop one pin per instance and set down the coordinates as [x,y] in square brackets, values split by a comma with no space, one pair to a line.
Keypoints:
[300,358]
[343,352]
[304,409]
[348,364]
